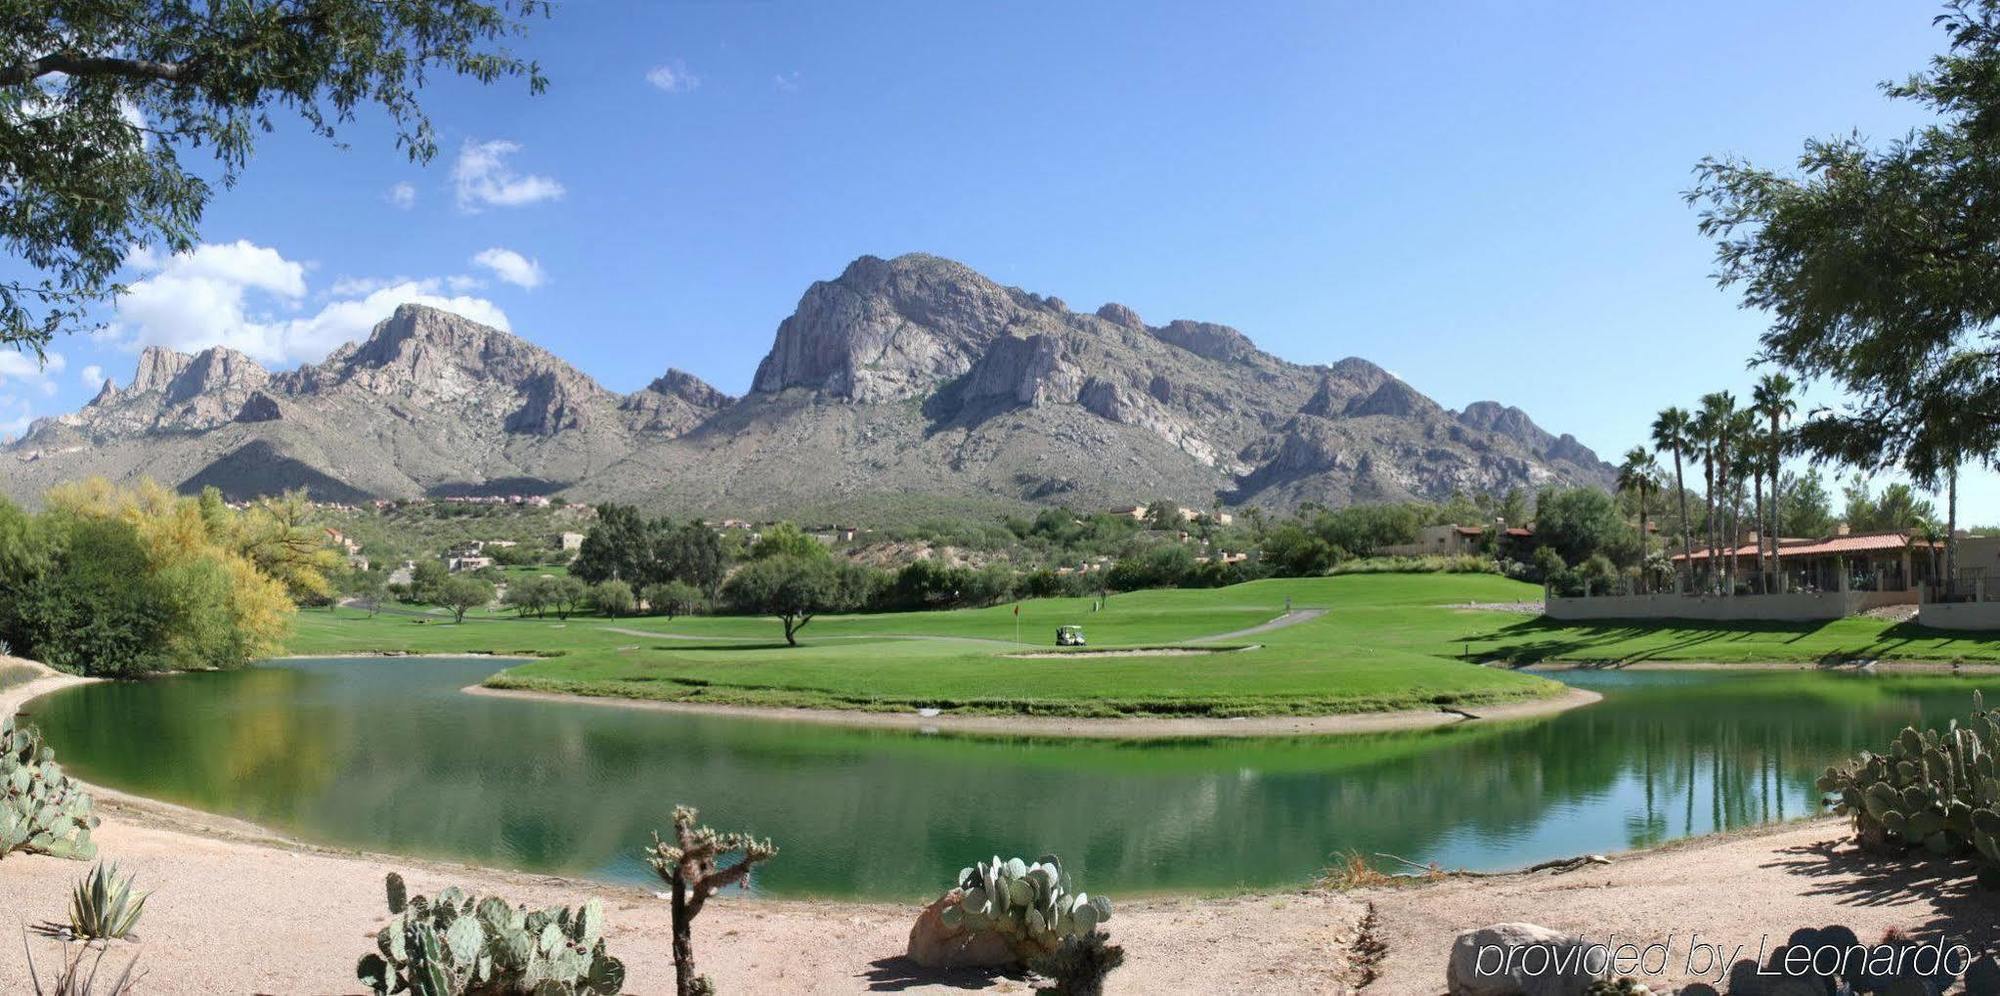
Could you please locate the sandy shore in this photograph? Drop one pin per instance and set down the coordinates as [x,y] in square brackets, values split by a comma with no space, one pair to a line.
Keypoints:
[1086,726]
[235,910]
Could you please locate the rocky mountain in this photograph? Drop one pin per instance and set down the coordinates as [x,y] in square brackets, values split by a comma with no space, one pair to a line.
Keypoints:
[900,384]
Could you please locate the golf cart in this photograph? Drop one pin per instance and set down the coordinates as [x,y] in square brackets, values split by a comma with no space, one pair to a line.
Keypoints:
[1069,636]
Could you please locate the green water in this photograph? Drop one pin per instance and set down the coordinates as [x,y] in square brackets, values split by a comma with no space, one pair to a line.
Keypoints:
[389,755]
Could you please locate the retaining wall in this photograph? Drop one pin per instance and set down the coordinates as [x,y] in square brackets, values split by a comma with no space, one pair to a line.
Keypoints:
[1788,607]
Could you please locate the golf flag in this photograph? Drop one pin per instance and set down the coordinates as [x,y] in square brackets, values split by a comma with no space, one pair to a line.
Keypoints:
[1017,609]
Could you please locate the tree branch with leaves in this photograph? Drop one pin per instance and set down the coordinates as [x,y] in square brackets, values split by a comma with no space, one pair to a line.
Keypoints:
[100,99]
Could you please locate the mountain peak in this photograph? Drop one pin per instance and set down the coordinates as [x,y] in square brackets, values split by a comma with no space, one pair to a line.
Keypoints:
[680,384]
[215,369]
[888,329]
[1207,339]
[158,366]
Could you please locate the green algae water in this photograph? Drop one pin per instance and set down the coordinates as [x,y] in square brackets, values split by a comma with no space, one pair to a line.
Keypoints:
[389,755]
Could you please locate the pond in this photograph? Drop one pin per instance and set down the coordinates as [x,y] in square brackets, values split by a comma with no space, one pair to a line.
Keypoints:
[389,755]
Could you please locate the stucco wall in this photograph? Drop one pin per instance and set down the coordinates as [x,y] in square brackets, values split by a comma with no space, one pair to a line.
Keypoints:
[1960,615]
[1789,607]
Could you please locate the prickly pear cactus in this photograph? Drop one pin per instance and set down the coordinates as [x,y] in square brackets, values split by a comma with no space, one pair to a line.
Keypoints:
[1935,790]
[1624,986]
[1032,905]
[456,945]
[42,810]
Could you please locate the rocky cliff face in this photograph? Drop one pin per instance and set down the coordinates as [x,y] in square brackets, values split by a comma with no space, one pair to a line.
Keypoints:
[906,380]
[672,404]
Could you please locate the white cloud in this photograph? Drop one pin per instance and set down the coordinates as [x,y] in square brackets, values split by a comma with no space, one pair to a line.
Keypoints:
[402,195]
[223,295]
[511,266]
[483,178]
[92,376]
[786,82]
[462,282]
[672,77]
[22,368]
[14,418]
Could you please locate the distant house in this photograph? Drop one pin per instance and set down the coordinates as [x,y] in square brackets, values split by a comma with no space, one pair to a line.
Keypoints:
[1890,561]
[1446,540]
[458,562]
[570,541]
[1137,513]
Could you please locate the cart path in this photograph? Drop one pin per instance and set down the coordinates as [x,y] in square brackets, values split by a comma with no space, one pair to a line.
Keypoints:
[1289,619]
[980,640]
[1292,618]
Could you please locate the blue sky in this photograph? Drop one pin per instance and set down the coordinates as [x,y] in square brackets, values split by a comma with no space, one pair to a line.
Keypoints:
[1483,197]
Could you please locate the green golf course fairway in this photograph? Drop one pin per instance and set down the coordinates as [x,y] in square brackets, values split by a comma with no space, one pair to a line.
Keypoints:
[1385,642]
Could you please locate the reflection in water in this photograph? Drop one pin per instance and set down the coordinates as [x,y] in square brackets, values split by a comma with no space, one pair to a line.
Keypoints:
[389,755]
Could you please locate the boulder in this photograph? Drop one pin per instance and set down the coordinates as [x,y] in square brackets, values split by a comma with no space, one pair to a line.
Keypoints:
[1509,969]
[933,944]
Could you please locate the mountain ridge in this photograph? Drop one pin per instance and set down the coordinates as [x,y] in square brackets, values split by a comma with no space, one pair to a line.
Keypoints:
[908,378]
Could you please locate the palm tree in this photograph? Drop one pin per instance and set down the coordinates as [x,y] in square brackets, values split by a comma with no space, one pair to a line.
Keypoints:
[1674,430]
[1712,431]
[1753,449]
[1776,403]
[1741,434]
[1635,475]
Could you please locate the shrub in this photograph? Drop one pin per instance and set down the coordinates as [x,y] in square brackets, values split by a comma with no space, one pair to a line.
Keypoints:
[673,598]
[102,905]
[1435,563]
[42,810]
[77,972]
[457,944]
[1080,964]
[613,598]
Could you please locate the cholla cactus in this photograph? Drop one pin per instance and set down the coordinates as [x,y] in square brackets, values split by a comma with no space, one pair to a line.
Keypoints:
[42,810]
[691,864]
[1032,905]
[456,945]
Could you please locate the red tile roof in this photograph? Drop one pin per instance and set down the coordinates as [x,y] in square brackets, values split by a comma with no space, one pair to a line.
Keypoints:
[1830,546]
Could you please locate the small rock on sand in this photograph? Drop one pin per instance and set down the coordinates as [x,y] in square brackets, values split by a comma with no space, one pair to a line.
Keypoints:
[933,944]
[1497,961]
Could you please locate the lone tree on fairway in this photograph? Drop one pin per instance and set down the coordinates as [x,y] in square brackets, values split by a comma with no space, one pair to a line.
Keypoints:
[461,594]
[691,864]
[98,99]
[792,588]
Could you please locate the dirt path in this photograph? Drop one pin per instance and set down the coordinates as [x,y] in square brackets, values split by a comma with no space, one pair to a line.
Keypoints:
[1292,618]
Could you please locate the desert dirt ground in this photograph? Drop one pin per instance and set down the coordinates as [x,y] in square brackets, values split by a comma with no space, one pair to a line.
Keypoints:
[236,909]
